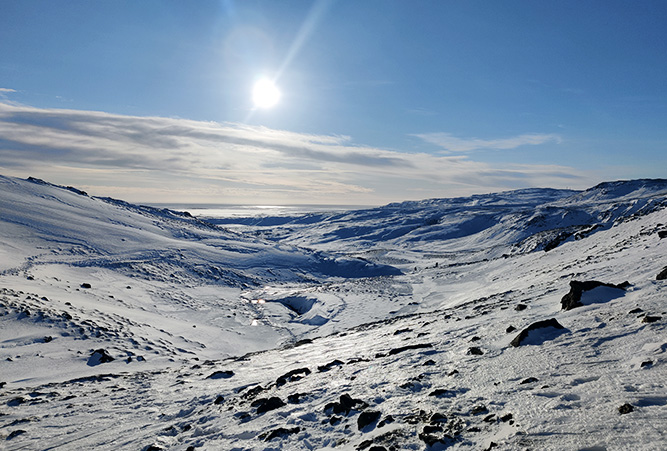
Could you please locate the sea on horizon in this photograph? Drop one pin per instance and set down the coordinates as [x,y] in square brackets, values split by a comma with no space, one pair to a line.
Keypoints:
[250,211]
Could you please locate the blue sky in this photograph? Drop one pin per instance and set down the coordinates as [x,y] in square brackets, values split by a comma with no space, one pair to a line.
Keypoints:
[381,100]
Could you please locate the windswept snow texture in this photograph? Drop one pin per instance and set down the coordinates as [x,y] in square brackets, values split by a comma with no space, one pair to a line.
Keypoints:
[128,327]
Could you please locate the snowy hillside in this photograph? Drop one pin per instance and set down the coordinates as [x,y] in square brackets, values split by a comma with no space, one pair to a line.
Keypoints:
[532,319]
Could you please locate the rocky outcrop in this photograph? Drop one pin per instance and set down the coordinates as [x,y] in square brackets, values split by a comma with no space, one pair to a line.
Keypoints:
[545,329]
[573,298]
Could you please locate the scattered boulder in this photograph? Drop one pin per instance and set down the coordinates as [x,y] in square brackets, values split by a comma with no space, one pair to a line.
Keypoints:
[345,405]
[86,285]
[662,234]
[440,392]
[267,404]
[510,329]
[367,419]
[409,347]
[99,356]
[295,398]
[479,410]
[252,392]
[662,275]
[520,307]
[292,376]
[538,332]
[402,331]
[219,400]
[573,298]
[386,420]
[221,375]
[528,380]
[626,408]
[279,433]
[651,319]
[646,363]
[15,433]
[474,350]
[329,366]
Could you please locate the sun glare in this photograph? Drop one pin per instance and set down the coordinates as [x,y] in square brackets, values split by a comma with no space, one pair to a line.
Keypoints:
[265,94]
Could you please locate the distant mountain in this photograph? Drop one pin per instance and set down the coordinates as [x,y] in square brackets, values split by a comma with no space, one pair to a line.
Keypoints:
[496,224]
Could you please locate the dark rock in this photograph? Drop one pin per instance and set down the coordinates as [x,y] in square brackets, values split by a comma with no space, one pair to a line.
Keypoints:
[86,285]
[329,366]
[385,421]
[244,417]
[662,275]
[453,372]
[48,339]
[292,376]
[153,448]
[295,398]
[475,338]
[428,363]
[345,405]
[662,234]
[475,351]
[529,380]
[439,392]
[520,307]
[490,418]
[651,319]
[431,429]
[546,324]
[221,375]
[506,418]
[377,448]
[573,298]
[626,408]
[367,419]
[279,433]
[479,410]
[402,331]
[409,347]
[219,400]
[646,363]
[635,311]
[267,404]
[252,392]
[15,433]
[491,446]
[99,356]
[438,418]
[334,420]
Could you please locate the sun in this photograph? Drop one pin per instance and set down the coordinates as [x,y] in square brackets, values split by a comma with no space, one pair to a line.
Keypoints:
[265,93]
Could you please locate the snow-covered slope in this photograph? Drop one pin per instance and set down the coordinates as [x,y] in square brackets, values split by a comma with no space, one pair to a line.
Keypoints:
[446,358]
[509,222]
[148,280]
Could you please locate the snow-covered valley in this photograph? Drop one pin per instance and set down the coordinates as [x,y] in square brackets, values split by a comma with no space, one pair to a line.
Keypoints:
[399,327]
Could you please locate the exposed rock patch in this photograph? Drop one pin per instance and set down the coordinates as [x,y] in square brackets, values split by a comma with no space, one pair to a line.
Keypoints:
[573,299]
[538,332]
[99,356]
[662,275]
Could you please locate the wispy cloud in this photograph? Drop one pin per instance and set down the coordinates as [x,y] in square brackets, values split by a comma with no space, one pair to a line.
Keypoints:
[7,90]
[168,159]
[452,143]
